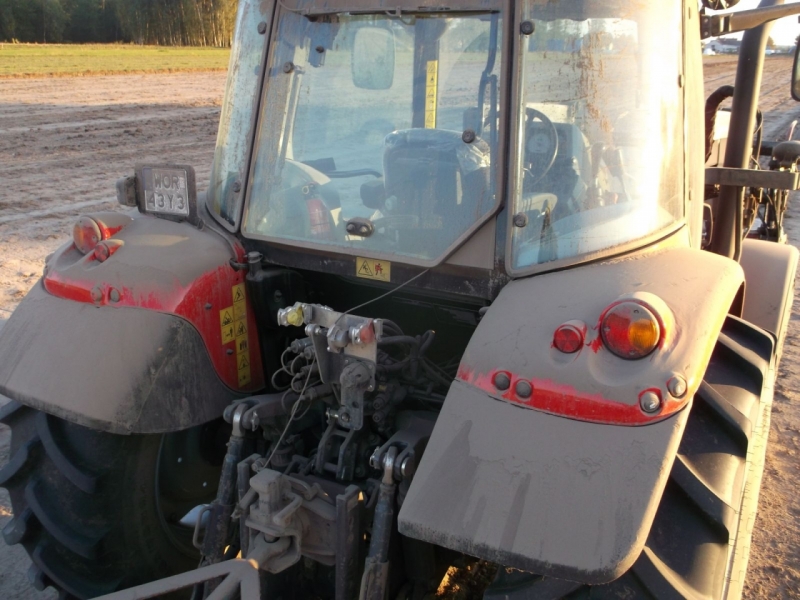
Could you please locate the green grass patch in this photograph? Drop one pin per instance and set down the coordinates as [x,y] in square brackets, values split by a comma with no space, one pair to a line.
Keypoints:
[37,60]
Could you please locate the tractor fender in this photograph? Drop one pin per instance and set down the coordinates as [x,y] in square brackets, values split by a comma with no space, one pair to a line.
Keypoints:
[769,270]
[565,481]
[145,341]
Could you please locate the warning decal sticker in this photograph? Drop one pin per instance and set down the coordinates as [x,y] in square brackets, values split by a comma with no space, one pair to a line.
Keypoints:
[431,90]
[368,268]
[226,323]
[240,334]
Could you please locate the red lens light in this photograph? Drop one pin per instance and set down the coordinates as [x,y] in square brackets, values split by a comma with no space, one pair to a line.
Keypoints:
[630,330]
[86,234]
[568,338]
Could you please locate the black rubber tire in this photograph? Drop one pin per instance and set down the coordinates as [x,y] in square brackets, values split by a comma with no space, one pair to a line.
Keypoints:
[86,505]
[708,500]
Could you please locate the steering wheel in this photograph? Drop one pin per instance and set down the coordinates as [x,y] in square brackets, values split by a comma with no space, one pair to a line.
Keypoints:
[546,156]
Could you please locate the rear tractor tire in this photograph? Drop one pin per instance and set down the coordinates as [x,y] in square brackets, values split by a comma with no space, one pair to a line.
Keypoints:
[98,512]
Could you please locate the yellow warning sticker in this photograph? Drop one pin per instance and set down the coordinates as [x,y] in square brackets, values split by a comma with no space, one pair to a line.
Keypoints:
[226,323]
[239,311]
[239,333]
[238,293]
[431,90]
[241,344]
[243,368]
[240,328]
[368,268]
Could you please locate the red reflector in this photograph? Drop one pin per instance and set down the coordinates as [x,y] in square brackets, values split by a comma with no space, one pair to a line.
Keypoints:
[319,217]
[568,338]
[630,330]
[86,234]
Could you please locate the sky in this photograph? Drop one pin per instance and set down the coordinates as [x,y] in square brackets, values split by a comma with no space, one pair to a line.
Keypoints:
[784,31]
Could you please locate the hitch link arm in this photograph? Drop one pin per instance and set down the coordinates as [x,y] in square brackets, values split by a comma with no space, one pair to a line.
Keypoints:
[376,567]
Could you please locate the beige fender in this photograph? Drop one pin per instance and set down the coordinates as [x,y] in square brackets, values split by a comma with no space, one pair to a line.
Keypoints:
[769,271]
[566,482]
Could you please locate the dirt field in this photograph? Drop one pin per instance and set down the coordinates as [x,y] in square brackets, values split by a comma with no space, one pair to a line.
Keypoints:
[64,142]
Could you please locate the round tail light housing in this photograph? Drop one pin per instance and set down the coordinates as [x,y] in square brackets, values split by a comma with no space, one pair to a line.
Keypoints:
[86,234]
[630,330]
[569,337]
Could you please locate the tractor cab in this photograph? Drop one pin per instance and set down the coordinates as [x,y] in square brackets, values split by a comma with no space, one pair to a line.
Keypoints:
[398,135]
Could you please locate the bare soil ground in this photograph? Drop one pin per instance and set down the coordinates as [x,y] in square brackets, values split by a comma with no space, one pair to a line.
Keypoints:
[64,142]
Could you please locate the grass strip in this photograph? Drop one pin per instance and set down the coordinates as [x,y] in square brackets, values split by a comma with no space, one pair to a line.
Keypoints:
[48,60]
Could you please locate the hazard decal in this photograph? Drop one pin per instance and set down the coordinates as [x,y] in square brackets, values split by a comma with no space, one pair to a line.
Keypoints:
[368,268]
[431,90]
[226,323]
[233,324]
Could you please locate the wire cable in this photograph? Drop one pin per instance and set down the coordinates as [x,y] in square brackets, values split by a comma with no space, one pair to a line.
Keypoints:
[382,296]
[295,406]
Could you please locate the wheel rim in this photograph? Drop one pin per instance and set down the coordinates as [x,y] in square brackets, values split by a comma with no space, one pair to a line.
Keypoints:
[187,475]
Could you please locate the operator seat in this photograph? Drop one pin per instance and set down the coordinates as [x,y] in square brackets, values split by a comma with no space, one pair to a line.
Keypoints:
[440,180]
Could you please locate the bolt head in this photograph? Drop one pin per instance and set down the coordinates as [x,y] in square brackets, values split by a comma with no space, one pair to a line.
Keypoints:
[468,136]
[526,27]
[97,295]
[523,388]
[502,381]
[114,295]
[262,27]
[650,402]
[677,386]
[520,220]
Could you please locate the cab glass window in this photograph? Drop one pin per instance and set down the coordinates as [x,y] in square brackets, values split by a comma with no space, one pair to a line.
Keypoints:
[600,153]
[362,144]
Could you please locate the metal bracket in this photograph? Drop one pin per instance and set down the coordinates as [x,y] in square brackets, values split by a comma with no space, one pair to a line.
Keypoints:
[719,24]
[358,377]
[241,577]
[775,180]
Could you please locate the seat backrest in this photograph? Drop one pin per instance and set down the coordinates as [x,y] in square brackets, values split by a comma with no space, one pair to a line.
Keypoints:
[435,175]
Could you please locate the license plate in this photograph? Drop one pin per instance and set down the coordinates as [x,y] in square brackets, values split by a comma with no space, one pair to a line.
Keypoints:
[166,191]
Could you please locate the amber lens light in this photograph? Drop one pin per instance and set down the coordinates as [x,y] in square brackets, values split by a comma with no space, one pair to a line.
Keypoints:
[86,234]
[568,338]
[630,330]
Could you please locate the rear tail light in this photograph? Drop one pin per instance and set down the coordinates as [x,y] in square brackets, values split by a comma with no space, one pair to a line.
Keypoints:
[90,231]
[319,217]
[569,337]
[630,330]
[86,234]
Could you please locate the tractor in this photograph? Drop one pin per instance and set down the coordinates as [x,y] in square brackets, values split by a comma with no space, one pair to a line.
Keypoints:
[479,289]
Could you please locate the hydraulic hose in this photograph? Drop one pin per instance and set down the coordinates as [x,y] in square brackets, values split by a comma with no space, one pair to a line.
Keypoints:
[712,106]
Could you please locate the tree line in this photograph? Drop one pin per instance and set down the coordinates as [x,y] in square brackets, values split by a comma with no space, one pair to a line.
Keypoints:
[159,22]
